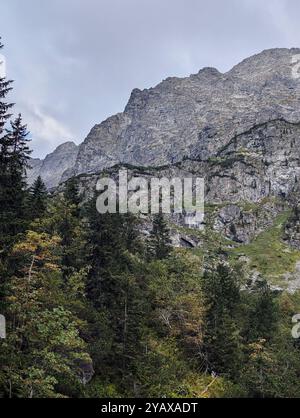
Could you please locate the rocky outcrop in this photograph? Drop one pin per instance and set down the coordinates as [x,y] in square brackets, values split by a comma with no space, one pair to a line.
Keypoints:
[54,165]
[242,224]
[248,182]
[259,163]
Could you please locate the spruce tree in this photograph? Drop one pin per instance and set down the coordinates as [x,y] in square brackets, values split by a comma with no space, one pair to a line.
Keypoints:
[17,138]
[71,192]
[14,162]
[263,316]
[37,198]
[159,243]
[5,87]
[112,285]
[61,218]
[110,237]
[222,341]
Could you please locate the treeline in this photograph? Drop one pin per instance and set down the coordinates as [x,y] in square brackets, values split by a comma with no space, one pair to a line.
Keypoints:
[96,308]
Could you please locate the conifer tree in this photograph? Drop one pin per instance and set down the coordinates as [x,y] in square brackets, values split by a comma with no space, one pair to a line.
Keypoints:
[14,157]
[62,219]
[37,198]
[112,285]
[159,243]
[222,341]
[17,140]
[44,353]
[111,237]
[71,192]
[263,318]
[5,87]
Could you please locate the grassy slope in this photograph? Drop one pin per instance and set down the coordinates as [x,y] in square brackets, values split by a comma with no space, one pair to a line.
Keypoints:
[268,253]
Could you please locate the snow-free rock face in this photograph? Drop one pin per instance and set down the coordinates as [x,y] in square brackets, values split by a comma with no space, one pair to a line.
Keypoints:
[35,169]
[54,165]
[195,116]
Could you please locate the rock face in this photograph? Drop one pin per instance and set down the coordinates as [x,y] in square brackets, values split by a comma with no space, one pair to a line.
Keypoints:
[54,165]
[241,224]
[35,169]
[261,162]
[195,116]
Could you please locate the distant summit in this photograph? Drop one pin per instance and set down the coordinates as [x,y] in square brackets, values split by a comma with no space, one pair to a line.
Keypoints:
[54,165]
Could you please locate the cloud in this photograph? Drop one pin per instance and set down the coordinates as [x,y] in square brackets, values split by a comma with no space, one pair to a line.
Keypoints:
[45,130]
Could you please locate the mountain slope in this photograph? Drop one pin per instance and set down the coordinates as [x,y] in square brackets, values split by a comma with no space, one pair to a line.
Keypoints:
[195,116]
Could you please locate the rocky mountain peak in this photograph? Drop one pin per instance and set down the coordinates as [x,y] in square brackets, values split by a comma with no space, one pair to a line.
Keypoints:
[276,61]
[54,165]
[197,115]
[65,147]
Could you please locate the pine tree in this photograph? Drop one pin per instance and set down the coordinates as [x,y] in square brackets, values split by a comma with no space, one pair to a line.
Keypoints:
[159,243]
[37,198]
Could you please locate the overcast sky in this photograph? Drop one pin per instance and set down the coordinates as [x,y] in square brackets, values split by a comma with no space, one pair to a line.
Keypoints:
[75,62]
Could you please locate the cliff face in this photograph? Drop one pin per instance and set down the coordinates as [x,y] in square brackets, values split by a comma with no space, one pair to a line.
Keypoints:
[260,167]
[54,165]
[195,116]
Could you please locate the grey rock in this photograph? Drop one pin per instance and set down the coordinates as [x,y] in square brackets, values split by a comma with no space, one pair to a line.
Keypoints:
[35,165]
[240,131]
[54,165]
[195,116]
[241,224]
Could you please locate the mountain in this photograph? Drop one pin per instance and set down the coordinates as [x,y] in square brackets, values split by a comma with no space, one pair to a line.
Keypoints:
[240,131]
[54,165]
[195,116]
[192,117]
